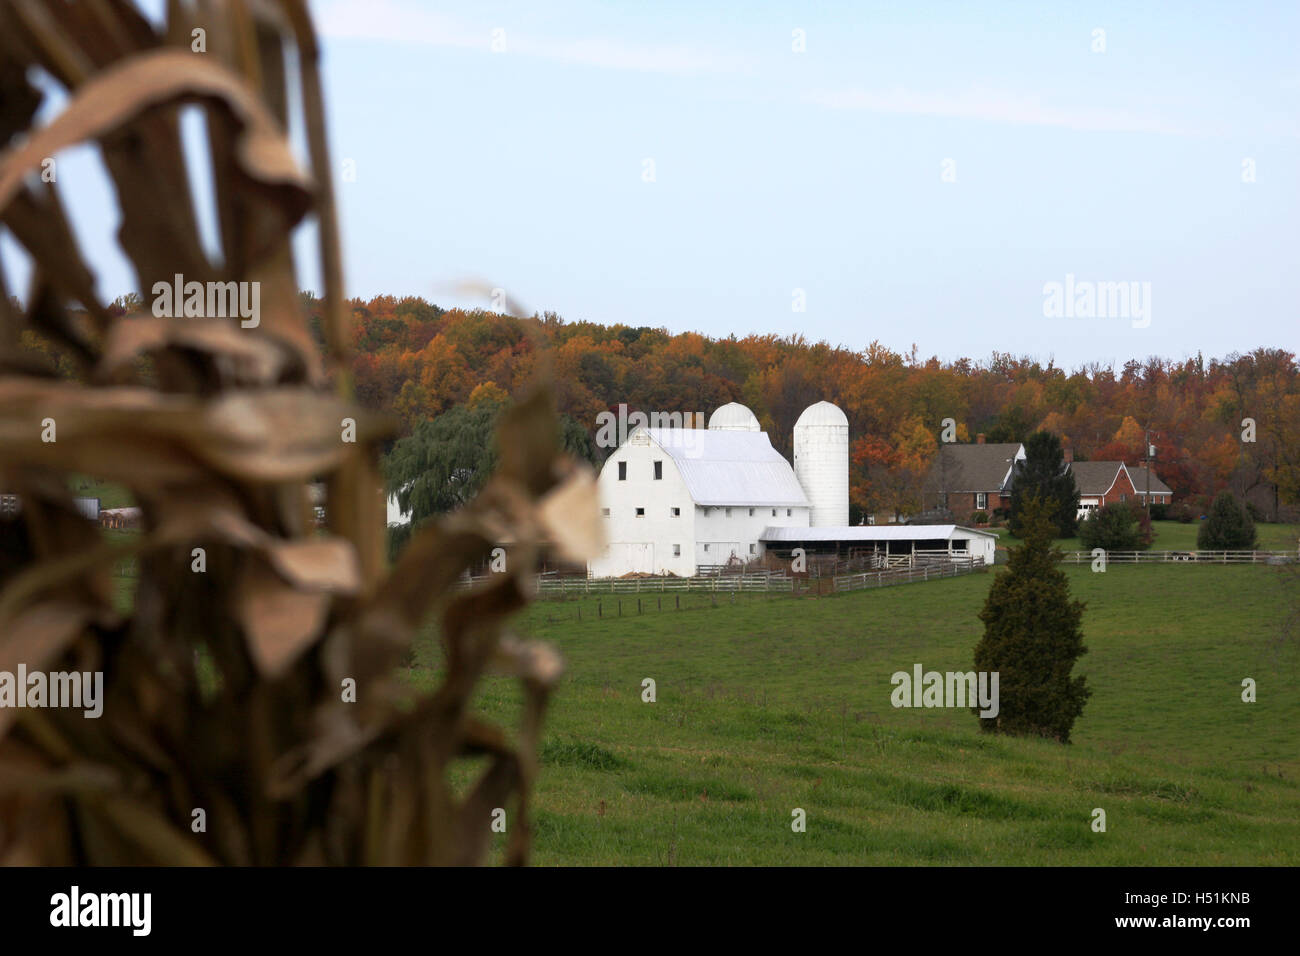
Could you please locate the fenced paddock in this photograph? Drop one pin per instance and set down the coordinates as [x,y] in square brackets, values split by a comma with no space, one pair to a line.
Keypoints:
[762,582]
[1185,557]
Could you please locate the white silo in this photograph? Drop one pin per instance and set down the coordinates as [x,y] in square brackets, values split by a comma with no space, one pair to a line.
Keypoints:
[821,463]
[734,417]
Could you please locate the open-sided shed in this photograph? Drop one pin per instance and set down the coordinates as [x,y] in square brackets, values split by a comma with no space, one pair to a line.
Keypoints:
[933,539]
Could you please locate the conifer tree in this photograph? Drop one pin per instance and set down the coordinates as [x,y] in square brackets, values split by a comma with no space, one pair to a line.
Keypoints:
[1044,473]
[1228,528]
[1033,636]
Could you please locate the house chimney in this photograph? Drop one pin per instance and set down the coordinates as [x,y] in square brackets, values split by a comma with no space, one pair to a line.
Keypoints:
[979,439]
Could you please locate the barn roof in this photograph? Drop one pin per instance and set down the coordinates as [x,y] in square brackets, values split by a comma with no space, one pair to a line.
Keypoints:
[912,532]
[972,467]
[730,467]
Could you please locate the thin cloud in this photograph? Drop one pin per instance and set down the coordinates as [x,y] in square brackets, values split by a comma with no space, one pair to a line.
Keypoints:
[405,23]
[992,107]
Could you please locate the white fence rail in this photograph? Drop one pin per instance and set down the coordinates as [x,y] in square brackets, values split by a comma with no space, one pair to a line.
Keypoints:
[1190,557]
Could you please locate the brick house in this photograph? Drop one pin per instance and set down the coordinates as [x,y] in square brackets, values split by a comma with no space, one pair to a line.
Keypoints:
[1161,494]
[965,479]
[1101,483]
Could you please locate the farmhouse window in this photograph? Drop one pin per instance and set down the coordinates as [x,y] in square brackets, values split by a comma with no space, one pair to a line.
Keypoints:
[728,512]
[604,512]
[773,512]
[659,470]
[751,512]
[788,512]
[706,547]
[981,500]
[677,551]
[622,471]
[640,512]
[677,512]
[752,547]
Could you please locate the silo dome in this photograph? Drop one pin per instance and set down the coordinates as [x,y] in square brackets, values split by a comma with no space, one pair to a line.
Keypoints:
[821,463]
[734,417]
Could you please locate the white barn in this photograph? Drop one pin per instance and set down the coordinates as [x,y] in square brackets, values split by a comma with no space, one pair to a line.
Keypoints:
[672,498]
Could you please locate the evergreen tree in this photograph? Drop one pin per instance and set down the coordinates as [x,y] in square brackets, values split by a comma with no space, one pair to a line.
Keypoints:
[1119,526]
[1229,527]
[1033,636]
[1045,475]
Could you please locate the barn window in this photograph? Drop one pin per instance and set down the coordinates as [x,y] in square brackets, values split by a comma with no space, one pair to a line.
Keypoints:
[622,471]
[751,512]
[959,544]
[677,551]
[640,512]
[981,500]
[752,547]
[706,547]
[773,512]
[659,470]
[604,512]
[728,512]
[677,512]
[788,512]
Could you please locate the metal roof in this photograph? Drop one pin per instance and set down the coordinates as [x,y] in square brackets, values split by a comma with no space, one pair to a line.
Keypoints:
[730,467]
[918,532]
[734,417]
[822,413]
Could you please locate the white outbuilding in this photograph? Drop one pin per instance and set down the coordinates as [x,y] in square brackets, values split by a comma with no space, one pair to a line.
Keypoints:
[913,542]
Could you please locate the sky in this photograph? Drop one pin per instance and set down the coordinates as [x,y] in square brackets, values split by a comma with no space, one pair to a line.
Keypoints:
[912,173]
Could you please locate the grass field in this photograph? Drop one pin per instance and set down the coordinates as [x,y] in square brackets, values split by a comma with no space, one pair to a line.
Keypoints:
[775,703]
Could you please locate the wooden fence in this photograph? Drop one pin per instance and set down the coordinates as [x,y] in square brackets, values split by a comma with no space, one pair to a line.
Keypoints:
[1188,557]
[760,582]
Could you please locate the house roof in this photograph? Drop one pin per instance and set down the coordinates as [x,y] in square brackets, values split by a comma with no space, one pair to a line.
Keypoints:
[1095,477]
[1139,475]
[729,467]
[972,467]
[921,532]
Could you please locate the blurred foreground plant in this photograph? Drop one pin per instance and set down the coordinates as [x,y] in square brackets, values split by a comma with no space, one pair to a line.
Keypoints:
[293,736]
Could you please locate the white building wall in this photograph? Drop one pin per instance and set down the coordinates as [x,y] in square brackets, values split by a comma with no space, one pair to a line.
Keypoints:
[977,545]
[644,543]
[739,530]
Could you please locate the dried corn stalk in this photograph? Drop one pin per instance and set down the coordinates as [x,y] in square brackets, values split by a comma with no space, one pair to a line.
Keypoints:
[263,689]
